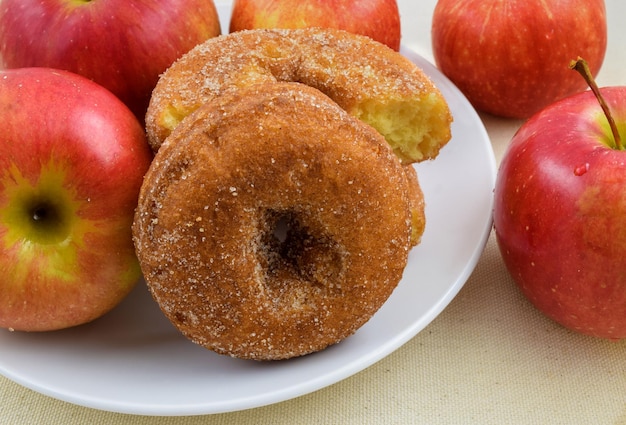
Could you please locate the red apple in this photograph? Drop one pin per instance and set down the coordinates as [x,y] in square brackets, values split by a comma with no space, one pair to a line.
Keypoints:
[510,58]
[560,213]
[378,19]
[123,45]
[72,160]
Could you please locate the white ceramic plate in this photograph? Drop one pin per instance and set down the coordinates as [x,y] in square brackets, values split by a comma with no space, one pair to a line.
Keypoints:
[134,361]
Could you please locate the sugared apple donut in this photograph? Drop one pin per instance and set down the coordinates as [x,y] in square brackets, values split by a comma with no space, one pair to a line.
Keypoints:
[272,224]
[369,80]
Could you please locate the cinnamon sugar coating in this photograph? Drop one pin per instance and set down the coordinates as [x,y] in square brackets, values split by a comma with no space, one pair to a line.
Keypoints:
[417,205]
[266,228]
[367,79]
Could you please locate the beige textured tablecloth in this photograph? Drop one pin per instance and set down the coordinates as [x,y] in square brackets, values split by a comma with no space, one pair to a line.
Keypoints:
[489,358]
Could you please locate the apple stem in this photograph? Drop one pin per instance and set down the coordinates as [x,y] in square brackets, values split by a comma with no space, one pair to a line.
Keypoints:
[582,67]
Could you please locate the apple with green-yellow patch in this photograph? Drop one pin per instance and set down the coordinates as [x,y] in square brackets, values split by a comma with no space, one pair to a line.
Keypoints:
[72,160]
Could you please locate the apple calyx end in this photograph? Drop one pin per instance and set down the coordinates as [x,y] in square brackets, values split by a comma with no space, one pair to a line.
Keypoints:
[580,65]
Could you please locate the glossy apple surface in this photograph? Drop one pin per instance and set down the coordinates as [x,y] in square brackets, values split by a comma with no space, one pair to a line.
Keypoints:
[378,19]
[560,213]
[510,58]
[123,45]
[72,160]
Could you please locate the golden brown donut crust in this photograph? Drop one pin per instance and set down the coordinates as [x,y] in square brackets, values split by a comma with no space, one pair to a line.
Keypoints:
[222,184]
[417,205]
[369,80]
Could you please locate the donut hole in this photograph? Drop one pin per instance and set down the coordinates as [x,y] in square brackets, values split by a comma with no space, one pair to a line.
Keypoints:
[282,227]
[293,251]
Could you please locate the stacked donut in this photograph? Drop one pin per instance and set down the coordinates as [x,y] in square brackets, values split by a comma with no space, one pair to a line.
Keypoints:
[280,208]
